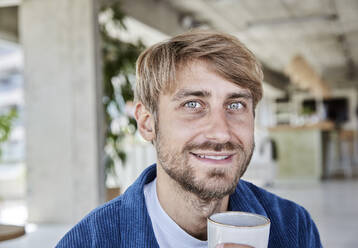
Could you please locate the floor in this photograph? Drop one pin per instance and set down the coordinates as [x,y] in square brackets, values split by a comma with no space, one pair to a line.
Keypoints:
[333,205]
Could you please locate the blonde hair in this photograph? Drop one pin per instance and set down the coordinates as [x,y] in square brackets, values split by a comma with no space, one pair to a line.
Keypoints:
[157,65]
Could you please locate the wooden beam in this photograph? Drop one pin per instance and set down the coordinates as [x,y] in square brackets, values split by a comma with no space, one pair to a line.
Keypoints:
[304,76]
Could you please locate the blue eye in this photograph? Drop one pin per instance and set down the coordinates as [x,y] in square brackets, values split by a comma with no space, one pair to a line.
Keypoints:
[192,104]
[235,105]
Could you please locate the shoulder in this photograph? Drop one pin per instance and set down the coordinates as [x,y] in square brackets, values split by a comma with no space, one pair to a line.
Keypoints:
[96,228]
[270,202]
[287,217]
[107,225]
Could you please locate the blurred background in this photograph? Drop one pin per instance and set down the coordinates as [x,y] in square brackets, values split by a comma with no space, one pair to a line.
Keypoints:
[68,140]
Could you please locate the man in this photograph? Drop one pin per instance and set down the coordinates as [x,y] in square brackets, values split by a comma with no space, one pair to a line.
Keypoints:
[195,101]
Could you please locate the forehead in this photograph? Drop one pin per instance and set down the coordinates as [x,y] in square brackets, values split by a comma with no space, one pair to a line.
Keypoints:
[201,75]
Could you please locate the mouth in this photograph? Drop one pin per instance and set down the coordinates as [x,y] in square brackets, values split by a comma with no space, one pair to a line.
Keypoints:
[213,158]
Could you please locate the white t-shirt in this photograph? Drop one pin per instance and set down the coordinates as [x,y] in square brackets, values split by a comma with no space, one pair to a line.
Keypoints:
[167,232]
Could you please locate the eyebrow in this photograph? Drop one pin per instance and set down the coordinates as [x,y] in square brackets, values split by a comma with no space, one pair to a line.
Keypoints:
[183,93]
[246,95]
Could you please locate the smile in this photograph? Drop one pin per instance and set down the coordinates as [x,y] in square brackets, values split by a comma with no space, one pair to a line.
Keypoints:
[213,157]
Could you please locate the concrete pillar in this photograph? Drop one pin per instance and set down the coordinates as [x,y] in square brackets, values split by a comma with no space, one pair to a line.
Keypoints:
[64,135]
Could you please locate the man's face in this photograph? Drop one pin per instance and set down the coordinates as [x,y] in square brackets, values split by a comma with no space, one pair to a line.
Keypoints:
[204,132]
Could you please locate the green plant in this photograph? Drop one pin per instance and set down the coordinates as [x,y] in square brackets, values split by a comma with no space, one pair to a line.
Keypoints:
[6,121]
[118,79]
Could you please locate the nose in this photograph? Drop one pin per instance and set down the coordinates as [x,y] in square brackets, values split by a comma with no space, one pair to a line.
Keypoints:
[218,128]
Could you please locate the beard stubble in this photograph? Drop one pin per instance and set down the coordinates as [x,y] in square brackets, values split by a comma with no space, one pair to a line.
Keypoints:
[216,184]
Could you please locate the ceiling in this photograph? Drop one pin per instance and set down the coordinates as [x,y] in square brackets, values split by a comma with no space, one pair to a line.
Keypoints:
[323,32]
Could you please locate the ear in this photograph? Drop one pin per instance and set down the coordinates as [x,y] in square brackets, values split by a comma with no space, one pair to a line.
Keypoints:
[145,122]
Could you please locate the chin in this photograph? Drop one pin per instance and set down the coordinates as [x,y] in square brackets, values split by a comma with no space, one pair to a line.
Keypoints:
[216,186]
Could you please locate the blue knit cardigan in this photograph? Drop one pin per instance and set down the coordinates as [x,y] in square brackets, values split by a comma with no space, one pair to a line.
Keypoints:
[124,221]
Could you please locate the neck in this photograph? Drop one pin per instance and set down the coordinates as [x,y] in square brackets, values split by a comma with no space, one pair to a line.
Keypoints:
[185,208]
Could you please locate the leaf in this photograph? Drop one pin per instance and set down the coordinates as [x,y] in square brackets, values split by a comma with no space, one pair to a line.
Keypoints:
[6,122]
[119,59]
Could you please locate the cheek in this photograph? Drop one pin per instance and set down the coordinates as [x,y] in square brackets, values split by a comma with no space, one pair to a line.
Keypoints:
[244,129]
[181,126]
[174,132]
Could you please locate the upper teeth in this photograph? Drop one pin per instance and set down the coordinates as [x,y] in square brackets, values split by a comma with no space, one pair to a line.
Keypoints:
[213,157]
